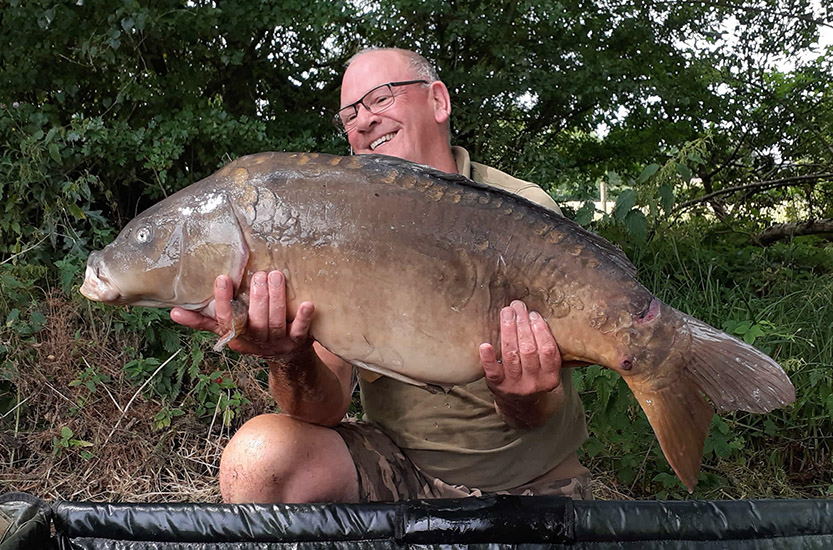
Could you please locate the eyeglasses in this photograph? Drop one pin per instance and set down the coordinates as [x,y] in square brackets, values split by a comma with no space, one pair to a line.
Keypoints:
[376,100]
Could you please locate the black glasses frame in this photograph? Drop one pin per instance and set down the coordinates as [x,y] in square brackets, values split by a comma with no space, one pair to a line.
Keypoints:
[338,120]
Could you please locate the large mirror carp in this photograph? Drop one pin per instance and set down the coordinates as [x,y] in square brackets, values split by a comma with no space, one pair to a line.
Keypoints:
[408,268]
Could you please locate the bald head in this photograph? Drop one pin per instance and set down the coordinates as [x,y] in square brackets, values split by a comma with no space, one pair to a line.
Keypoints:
[422,68]
[415,125]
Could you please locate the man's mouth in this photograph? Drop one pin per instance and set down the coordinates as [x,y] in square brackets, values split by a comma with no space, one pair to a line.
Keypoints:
[381,140]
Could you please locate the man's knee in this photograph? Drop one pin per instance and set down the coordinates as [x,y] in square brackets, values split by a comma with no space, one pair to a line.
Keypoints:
[276,458]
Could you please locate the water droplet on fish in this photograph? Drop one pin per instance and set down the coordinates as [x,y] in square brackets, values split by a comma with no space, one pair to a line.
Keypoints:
[648,401]
[448,405]
[436,424]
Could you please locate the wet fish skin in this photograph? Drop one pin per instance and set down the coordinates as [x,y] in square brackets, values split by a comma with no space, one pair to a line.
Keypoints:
[409,268]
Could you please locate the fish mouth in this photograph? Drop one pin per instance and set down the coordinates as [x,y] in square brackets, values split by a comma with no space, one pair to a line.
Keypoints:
[97,286]
[384,139]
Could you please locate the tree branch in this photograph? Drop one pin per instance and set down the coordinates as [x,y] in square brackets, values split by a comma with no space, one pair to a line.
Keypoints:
[807,18]
[781,231]
[756,187]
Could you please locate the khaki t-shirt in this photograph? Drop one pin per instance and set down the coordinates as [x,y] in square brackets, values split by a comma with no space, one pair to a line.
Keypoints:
[458,436]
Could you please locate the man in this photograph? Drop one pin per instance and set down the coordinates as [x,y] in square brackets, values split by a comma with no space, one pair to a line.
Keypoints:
[516,430]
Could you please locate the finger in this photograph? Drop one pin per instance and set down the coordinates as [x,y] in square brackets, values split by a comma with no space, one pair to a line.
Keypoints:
[194,320]
[493,369]
[299,329]
[258,329]
[527,348]
[277,304]
[223,293]
[509,343]
[548,352]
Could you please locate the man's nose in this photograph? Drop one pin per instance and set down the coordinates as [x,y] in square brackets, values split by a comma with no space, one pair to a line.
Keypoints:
[364,118]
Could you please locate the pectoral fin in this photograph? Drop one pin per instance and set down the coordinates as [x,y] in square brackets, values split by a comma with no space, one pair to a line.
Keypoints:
[239,318]
[680,417]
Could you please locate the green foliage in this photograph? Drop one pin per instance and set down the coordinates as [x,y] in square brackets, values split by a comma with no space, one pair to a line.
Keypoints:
[66,442]
[778,299]
[108,106]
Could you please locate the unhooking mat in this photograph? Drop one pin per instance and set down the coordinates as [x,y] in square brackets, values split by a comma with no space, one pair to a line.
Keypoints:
[489,522]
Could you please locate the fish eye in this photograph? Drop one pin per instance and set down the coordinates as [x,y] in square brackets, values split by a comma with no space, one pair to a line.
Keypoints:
[143,235]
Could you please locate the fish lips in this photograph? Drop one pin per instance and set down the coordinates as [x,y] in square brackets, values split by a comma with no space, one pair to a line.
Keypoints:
[97,287]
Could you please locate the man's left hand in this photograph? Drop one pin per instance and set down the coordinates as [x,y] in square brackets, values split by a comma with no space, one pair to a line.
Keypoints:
[529,369]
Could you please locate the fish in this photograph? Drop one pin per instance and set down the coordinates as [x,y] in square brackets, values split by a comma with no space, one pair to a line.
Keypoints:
[409,267]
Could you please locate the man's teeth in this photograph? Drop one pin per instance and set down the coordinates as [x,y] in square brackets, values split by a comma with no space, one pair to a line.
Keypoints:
[381,140]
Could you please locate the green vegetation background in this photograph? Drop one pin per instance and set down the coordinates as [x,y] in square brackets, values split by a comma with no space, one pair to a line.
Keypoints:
[109,106]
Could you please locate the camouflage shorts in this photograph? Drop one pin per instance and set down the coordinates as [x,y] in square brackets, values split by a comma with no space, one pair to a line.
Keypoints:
[385,474]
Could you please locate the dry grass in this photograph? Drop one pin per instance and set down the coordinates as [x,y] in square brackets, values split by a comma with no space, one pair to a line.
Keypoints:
[130,460]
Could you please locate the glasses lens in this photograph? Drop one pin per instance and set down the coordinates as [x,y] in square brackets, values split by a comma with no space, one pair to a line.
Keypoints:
[346,117]
[379,99]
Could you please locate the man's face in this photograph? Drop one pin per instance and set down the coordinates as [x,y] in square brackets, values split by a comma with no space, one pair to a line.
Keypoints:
[408,129]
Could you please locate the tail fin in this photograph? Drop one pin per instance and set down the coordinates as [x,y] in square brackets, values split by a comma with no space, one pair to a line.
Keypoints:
[733,374]
[680,417]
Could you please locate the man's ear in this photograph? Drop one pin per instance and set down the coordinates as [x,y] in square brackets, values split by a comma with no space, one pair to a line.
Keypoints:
[440,100]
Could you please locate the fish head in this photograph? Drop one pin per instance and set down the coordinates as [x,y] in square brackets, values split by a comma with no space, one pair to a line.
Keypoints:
[170,254]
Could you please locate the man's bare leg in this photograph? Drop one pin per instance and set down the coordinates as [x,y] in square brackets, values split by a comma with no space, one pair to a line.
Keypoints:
[275,458]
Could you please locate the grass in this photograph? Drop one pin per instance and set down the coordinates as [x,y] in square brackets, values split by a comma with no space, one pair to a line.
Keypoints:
[70,369]
[781,299]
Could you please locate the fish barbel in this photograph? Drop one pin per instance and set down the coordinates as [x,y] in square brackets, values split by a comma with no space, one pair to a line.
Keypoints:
[409,268]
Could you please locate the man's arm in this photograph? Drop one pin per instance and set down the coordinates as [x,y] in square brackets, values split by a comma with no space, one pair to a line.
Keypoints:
[526,382]
[307,381]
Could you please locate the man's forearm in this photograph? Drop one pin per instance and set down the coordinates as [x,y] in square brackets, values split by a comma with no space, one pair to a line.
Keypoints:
[305,388]
[530,411]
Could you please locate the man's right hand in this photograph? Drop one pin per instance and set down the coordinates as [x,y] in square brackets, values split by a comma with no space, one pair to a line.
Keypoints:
[268,332]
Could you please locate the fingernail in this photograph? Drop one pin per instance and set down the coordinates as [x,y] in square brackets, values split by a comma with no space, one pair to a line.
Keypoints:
[221,282]
[533,315]
[260,279]
[507,314]
[275,278]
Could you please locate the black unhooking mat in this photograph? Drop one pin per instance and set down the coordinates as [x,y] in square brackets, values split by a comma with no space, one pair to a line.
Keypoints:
[489,522]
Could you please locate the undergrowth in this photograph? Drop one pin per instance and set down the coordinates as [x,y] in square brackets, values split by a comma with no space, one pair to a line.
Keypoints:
[779,299]
[106,403]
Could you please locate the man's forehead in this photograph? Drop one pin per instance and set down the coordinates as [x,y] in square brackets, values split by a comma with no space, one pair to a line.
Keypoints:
[373,69]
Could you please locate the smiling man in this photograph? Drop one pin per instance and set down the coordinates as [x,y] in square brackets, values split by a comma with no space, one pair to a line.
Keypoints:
[514,431]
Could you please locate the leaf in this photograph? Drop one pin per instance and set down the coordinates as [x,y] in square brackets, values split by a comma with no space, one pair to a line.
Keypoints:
[67,271]
[637,225]
[585,214]
[54,152]
[666,197]
[742,328]
[626,474]
[593,447]
[613,178]
[624,202]
[37,320]
[667,480]
[752,334]
[684,172]
[722,447]
[646,174]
